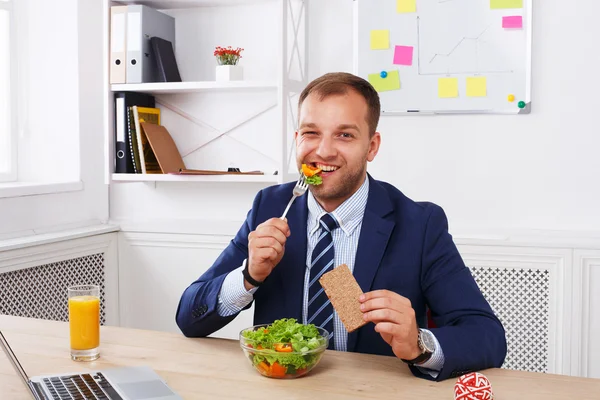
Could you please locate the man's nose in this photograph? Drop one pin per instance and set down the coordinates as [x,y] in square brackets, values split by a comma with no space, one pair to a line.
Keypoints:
[326,148]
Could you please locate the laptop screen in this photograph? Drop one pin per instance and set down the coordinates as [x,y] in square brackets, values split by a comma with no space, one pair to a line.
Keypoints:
[13,359]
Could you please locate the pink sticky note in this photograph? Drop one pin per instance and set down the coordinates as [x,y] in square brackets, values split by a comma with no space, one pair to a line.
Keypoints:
[514,21]
[403,55]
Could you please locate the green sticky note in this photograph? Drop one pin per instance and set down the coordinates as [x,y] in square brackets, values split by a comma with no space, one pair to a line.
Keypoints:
[476,86]
[499,4]
[406,6]
[447,87]
[380,39]
[390,82]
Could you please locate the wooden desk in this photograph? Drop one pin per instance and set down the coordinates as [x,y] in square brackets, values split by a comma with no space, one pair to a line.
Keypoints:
[217,369]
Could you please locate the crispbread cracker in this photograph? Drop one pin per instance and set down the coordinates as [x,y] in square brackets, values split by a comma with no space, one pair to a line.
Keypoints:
[343,292]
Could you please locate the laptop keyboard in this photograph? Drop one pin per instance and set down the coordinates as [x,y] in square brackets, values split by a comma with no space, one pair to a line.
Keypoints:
[81,387]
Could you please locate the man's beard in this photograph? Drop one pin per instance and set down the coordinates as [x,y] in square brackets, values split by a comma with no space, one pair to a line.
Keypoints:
[347,184]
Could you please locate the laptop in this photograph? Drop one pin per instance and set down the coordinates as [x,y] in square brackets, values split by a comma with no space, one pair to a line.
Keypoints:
[127,383]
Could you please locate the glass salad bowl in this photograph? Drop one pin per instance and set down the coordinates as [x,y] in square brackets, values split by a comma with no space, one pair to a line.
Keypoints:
[284,349]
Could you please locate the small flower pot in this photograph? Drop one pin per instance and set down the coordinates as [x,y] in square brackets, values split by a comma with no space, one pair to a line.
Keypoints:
[225,73]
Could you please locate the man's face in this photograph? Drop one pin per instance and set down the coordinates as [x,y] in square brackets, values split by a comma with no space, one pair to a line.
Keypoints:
[334,136]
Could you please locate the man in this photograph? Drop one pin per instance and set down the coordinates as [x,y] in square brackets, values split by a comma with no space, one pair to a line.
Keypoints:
[399,250]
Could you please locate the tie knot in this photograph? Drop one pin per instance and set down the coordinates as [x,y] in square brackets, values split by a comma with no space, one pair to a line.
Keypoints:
[328,222]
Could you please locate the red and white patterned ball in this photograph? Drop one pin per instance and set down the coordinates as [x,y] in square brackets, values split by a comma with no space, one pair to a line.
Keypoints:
[473,386]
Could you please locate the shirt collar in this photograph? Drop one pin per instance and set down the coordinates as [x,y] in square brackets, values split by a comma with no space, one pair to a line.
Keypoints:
[348,214]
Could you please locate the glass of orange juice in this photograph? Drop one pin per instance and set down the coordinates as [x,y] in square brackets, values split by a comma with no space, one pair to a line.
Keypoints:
[84,322]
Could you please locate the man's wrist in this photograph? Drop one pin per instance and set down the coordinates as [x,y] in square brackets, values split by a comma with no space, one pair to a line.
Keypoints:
[249,281]
[416,353]
[248,286]
[425,346]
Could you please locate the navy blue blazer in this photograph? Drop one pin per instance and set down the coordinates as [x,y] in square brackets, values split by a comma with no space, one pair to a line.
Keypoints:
[404,246]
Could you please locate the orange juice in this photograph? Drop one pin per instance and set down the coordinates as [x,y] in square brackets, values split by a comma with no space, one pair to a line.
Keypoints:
[84,321]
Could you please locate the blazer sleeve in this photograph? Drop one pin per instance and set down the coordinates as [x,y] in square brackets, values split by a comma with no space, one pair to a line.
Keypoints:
[197,314]
[470,334]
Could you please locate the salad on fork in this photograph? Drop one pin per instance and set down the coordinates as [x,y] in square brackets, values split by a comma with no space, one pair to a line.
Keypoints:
[311,174]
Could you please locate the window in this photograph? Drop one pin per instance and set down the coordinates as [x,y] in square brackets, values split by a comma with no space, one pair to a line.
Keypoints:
[58,166]
[39,93]
[8,136]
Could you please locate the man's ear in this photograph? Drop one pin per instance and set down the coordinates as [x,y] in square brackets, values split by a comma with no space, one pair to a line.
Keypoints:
[374,144]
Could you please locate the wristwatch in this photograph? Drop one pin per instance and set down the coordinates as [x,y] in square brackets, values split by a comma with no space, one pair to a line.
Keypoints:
[250,279]
[426,343]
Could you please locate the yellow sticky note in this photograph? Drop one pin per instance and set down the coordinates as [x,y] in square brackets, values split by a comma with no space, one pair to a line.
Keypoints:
[476,86]
[390,82]
[406,6]
[380,39]
[499,4]
[447,87]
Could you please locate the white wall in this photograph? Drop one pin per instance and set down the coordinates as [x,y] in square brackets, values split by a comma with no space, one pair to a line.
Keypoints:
[536,171]
[74,97]
[527,171]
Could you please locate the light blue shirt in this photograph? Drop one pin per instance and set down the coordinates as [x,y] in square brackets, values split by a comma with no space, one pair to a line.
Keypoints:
[233,296]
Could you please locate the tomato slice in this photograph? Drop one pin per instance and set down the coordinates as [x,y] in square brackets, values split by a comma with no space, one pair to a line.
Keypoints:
[278,370]
[283,347]
[308,171]
[264,368]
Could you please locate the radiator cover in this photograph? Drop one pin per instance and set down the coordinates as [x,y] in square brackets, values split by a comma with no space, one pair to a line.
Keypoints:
[41,291]
[520,299]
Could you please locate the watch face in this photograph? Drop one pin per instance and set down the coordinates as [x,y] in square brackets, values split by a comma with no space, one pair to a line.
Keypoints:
[428,341]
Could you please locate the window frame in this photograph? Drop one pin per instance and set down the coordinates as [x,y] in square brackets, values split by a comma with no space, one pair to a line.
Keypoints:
[11,175]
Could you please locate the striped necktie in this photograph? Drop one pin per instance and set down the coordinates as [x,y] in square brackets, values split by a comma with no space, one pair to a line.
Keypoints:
[320,310]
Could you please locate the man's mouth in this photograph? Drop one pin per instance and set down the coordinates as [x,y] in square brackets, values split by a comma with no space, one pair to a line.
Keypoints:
[327,169]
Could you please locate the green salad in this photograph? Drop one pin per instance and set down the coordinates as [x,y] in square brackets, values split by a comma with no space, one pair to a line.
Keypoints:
[311,174]
[280,343]
[314,180]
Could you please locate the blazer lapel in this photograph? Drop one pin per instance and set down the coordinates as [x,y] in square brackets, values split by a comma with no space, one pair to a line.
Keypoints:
[374,236]
[294,260]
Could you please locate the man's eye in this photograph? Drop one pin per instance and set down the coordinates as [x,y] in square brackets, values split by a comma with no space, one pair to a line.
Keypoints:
[309,133]
[346,135]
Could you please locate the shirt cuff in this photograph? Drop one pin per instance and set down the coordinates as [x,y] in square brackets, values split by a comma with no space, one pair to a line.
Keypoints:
[233,296]
[435,363]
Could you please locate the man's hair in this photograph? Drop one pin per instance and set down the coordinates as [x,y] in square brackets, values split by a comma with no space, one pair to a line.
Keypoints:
[338,83]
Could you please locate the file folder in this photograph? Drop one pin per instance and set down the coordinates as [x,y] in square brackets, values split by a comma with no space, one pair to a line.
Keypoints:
[123,146]
[118,51]
[165,60]
[168,155]
[143,23]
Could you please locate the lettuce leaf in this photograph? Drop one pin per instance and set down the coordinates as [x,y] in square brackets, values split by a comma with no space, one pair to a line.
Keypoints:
[313,180]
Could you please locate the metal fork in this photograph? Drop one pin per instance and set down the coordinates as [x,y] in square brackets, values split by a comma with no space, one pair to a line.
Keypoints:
[299,190]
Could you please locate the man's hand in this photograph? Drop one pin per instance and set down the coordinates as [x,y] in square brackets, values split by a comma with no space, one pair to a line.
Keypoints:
[266,246]
[394,319]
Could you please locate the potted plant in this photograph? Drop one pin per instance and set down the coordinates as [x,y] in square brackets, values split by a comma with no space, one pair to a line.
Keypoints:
[227,60]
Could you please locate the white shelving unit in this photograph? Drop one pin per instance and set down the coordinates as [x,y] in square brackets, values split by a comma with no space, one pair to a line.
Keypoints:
[192,87]
[177,4]
[194,178]
[289,60]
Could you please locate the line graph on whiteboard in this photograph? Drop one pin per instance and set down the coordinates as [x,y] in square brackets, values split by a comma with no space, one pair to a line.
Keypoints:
[445,56]
[472,53]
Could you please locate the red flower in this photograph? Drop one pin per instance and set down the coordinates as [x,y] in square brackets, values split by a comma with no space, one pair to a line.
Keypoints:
[227,55]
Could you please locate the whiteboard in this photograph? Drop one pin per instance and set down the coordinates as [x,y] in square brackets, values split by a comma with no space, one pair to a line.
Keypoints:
[468,56]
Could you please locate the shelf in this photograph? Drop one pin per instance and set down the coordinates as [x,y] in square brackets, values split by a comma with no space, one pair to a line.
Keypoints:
[173,4]
[191,87]
[195,178]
